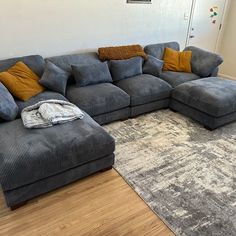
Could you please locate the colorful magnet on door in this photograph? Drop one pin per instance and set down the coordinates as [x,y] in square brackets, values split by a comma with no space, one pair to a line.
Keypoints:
[214,14]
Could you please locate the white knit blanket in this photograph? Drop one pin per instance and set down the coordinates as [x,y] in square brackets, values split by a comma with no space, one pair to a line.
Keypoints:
[50,112]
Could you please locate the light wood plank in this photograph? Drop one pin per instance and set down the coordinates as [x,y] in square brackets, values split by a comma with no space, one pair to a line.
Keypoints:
[103,204]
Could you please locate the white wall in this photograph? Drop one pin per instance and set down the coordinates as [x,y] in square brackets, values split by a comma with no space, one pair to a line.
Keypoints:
[54,27]
[228,43]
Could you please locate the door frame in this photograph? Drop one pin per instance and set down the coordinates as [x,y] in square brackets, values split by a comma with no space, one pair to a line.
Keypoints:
[223,23]
[222,27]
[190,22]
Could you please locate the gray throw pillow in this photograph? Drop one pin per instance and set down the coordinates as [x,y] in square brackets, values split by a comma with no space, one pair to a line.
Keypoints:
[54,78]
[122,69]
[8,107]
[203,62]
[91,74]
[153,66]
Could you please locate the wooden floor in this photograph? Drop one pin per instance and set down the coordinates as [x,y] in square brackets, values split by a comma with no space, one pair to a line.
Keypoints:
[102,204]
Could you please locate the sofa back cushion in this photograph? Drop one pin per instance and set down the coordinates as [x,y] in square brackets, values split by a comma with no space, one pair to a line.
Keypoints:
[8,107]
[122,69]
[91,74]
[204,63]
[34,62]
[66,61]
[157,50]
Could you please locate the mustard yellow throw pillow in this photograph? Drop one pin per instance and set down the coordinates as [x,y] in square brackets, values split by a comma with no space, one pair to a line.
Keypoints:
[177,61]
[21,81]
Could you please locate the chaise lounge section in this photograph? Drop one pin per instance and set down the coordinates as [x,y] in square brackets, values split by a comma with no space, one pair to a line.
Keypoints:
[37,161]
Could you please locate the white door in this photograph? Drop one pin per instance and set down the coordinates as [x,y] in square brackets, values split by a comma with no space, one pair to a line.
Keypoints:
[205,25]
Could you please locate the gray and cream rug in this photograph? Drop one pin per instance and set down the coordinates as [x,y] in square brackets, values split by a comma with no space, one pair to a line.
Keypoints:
[184,172]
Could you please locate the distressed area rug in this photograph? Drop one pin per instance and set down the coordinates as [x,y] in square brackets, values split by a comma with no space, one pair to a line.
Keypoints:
[184,172]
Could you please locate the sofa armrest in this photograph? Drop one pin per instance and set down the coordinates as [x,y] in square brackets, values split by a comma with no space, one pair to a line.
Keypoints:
[215,72]
[204,63]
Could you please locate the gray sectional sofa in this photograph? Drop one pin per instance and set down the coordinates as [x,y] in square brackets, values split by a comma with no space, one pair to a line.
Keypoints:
[33,162]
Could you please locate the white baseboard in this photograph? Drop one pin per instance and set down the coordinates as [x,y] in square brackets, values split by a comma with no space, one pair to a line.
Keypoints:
[227,76]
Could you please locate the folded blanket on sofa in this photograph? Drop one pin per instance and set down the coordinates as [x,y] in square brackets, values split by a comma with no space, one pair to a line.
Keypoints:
[50,112]
[121,52]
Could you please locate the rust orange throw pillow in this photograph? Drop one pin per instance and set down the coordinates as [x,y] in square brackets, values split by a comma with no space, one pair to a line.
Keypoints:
[177,61]
[121,52]
[21,81]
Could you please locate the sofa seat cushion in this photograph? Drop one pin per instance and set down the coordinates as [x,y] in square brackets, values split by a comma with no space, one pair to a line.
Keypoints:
[46,95]
[98,99]
[145,89]
[214,96]
[29,155]
[177,78]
